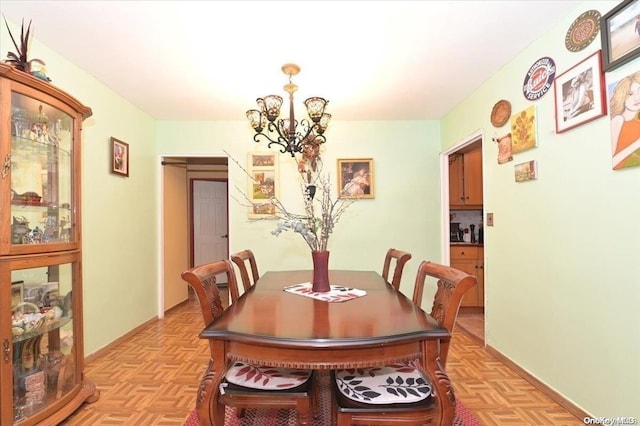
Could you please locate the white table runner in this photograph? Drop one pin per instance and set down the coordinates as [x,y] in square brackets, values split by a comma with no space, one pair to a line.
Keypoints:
[337,293]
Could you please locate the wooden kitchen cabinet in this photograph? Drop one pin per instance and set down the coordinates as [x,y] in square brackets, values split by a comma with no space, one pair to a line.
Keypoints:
[41,330]
[470,259]
[465,179]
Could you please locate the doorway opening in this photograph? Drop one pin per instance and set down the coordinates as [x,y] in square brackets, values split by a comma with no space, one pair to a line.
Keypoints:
[463,226]
[194,221]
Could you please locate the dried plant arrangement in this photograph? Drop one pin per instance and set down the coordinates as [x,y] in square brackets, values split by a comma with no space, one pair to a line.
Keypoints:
[20,60]
[321,211]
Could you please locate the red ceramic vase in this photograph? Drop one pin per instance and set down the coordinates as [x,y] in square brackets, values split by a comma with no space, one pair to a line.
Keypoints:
[320,282]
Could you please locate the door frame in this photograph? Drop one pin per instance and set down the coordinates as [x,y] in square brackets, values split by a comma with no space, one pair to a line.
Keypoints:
[160,218]
[444,190]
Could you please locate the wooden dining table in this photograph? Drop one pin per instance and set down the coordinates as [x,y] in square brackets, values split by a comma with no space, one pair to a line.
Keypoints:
[270,326]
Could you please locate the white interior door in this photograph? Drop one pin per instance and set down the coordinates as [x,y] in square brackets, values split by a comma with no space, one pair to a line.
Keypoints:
[210,225]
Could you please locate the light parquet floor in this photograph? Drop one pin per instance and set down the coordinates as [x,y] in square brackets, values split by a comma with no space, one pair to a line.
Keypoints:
[152,378]
[472,323]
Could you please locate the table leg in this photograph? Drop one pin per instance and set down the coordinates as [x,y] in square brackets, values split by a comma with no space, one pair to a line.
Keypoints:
[445,403]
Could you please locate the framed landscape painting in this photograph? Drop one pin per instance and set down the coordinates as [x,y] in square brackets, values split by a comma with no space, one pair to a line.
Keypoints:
[263,185]
[526,171]
[620,33]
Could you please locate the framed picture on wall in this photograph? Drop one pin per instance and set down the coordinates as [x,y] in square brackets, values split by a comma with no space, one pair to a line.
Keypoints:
[526,171]
[620,34]
[355,178]
[580,94]
[119,157]
[263,184]
[624,107]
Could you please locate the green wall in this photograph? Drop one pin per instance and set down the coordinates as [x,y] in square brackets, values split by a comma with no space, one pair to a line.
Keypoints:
[561,262]
[562,269]
[405,212]
[119,225]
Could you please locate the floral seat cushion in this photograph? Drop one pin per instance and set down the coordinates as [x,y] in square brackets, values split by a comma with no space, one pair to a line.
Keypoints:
[265,377]
[391,384]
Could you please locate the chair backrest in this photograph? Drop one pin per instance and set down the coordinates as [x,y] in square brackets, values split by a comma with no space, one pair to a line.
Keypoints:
[452,285]
[401,257]
[240,259]
[203,281]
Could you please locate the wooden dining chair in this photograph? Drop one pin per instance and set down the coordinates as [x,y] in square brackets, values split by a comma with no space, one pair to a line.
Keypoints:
[278,388]
[400,257]
[399,393]
[240,260]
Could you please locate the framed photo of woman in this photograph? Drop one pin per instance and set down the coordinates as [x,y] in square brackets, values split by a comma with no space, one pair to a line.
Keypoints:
[624,112]
[579,94]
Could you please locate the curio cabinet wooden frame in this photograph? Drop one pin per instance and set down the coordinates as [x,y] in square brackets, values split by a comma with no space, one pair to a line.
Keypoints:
[41,332]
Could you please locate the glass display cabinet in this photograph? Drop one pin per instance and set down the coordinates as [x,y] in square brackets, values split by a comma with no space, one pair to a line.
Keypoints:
[41,366]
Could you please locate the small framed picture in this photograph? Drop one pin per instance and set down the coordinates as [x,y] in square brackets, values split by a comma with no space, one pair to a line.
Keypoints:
[526,171]
[119,157]
[504,149]
[263,185]
[620,34]
[355,178]
[580,94]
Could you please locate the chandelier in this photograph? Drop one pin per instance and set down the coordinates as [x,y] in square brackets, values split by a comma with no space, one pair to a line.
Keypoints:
[290,134]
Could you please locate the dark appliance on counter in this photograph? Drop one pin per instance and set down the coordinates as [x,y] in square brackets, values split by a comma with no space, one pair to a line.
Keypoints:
[455,233]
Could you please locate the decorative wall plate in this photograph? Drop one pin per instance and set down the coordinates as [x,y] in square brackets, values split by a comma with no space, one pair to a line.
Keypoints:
[539,78]
[500,113]
[583,31]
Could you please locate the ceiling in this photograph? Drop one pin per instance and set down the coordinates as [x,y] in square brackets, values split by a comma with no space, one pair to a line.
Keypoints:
[210,60]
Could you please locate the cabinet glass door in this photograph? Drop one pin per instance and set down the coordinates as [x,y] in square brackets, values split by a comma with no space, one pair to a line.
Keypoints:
[41,173]
[42,327]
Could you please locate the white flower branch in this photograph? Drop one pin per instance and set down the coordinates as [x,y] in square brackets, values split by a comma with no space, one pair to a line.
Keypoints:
[314,229]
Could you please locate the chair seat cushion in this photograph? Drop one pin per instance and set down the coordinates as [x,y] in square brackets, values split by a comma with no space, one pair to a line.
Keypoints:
[265,377]
[391,384]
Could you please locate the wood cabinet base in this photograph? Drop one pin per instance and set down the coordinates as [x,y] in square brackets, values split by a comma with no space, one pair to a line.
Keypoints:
[88,393]
[470,259]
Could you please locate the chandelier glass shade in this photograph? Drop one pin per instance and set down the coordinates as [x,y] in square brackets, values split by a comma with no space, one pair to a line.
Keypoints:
[289,133]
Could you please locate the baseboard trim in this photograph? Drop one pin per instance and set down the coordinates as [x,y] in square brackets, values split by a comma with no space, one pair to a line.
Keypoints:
[470,335]
[103,351]
[578,412]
